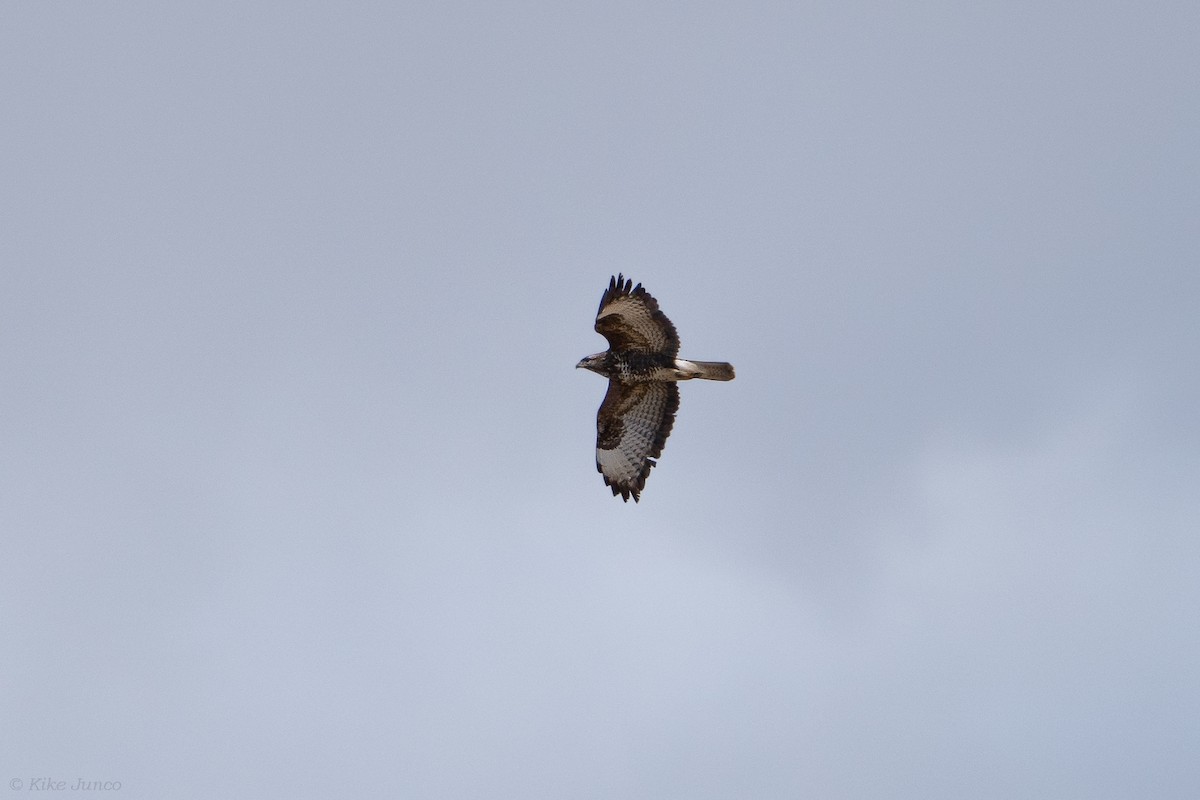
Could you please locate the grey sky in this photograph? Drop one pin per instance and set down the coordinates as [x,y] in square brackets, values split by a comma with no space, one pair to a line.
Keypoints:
[297,491]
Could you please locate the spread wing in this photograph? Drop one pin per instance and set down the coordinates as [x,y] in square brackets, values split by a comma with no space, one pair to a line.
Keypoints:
[629,318]
[632,426]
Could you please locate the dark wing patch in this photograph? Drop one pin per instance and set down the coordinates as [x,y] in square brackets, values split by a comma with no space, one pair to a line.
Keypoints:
[629,318]
[632,426]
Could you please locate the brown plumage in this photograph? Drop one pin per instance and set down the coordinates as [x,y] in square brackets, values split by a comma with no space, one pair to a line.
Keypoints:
[642,367]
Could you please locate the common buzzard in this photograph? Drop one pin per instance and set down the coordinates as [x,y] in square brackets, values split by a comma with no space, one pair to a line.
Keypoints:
[642,367]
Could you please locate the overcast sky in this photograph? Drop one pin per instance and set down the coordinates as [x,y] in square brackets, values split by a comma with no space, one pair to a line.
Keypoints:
[297,484]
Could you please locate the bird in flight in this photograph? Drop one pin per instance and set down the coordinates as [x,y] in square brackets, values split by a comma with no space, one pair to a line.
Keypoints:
[642,367]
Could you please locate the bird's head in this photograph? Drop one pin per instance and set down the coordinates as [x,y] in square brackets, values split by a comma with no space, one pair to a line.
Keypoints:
[596,363]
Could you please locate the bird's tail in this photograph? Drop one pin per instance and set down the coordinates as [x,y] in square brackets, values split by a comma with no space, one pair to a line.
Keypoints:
[705,370]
